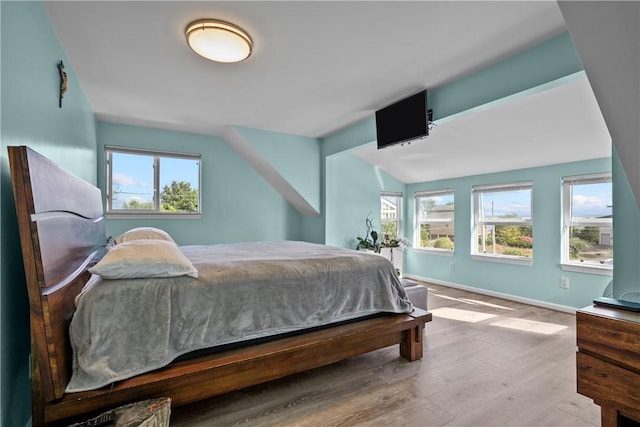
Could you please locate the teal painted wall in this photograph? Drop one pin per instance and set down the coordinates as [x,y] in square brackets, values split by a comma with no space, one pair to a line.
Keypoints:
[546,62]
[352,193]
[329,227]
[313,228]
[296,158]
[541,280]
[351,137]
[238,205]
[30,116]
[626,235]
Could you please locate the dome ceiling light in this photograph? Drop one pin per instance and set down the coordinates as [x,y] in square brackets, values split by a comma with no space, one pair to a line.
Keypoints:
[219,41]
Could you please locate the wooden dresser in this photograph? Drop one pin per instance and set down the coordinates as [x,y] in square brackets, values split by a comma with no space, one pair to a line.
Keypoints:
[608,362]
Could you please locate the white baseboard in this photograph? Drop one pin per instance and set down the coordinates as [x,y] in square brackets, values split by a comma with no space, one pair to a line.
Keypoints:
[537,303]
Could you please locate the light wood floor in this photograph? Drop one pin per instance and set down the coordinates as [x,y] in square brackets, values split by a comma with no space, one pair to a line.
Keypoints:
[487,362]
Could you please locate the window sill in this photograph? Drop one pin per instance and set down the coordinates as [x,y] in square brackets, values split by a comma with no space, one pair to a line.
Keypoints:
[590,269]
[504,259]
[151,216]
[434,251]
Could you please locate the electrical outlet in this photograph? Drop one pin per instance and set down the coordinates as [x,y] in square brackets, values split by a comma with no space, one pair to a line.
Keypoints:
[564,282]
[452,266]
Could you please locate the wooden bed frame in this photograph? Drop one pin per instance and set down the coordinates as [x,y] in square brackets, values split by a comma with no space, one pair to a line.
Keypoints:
[62,234]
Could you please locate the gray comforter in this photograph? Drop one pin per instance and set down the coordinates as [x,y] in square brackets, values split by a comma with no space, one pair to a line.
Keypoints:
[126,327]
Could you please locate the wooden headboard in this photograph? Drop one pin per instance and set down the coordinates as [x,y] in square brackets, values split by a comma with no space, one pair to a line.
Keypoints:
[61,224]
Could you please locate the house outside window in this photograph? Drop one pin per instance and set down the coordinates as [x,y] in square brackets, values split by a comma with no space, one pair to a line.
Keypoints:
[390,214]
[435,220]
[503,223]
[587,237]
[151,183]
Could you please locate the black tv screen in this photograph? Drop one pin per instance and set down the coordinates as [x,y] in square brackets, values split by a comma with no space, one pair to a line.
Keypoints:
[403,121]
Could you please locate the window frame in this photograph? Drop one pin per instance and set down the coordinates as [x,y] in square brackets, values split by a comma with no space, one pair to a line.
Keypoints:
[568,182]
[476,191]
[147,213]
[439,221]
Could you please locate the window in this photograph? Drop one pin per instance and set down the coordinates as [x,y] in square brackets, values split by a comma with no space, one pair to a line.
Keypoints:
[435,220]
[143,182]
[390,214]
[503,224]
[587,238]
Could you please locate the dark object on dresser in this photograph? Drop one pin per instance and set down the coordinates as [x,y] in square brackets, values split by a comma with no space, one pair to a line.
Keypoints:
[617,303]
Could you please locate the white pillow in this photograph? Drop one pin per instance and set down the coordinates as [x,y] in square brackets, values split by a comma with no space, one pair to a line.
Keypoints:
[140,259]
[143,233]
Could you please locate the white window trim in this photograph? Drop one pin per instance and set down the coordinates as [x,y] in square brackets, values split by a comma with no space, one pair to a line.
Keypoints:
[477,221]
[148,214]
[416,242]
[391,194]
[591,269]
[505,259]
[436,251]
[568,222]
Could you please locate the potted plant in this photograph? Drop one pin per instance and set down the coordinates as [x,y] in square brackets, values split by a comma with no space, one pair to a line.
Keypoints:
[370,239]
[398,242]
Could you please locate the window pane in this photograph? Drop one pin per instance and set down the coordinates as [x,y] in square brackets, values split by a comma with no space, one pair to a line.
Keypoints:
[390,215]
[588,236]
[389,229]
[499,205]
[179,180]
[431,207]
[132,181]
[437,236]
[510,240]
[144,182]
[589,201]
[591,245]
[436,220]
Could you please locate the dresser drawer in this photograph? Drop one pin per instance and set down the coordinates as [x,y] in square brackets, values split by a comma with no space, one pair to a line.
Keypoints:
[609,385]
[617,339]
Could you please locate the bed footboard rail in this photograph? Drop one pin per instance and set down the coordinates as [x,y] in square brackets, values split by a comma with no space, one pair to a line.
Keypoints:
[207,376]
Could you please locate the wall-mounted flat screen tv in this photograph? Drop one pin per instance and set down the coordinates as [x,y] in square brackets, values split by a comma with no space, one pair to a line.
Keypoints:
[403,121]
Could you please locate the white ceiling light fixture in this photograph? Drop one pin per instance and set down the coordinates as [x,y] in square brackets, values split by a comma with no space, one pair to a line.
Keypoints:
[219,41]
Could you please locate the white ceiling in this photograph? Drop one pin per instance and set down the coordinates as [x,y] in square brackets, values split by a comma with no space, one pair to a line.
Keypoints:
[318,67]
